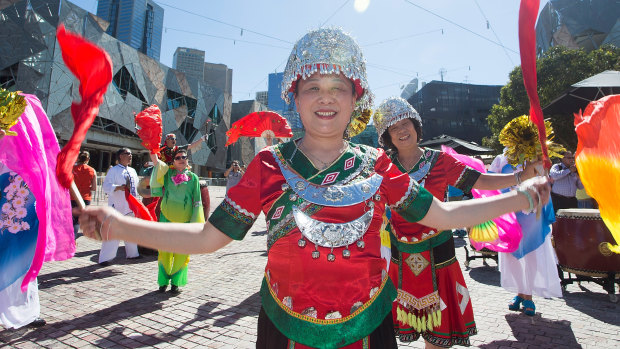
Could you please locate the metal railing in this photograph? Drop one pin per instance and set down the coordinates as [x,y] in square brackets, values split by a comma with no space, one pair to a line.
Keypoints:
[101,197]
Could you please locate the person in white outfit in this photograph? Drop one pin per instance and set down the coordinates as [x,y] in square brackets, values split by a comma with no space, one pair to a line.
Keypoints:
[119,178]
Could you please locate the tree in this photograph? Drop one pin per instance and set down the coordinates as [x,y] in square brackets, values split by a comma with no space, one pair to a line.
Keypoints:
[557,70]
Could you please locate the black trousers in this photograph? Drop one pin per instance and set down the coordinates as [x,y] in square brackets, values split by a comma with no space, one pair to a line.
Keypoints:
[269,337]
[561,202]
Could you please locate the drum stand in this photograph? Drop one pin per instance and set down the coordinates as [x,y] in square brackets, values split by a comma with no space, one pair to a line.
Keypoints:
[484,254]
[607,280]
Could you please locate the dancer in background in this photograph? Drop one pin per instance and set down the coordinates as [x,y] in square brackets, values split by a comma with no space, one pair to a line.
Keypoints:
[119,178]
[425,267]
[181,203]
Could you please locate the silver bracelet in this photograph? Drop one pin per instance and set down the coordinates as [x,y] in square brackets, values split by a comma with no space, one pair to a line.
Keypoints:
[107,235]
[530,200]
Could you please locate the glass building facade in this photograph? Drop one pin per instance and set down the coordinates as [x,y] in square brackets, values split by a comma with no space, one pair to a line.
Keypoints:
[455,109]
[577,24]
[277,104]
[138,23]
[32,62]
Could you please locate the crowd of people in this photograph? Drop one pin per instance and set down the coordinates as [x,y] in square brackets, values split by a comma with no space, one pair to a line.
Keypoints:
[328,282]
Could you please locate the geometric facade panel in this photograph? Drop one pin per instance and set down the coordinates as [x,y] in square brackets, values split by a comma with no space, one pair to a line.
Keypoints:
[31,61]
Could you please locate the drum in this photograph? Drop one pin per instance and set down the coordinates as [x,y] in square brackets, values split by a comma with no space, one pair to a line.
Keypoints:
[580,238]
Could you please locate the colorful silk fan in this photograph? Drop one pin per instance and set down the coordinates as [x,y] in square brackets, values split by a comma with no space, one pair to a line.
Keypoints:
[149,128]
[92,66]
[528,11]
[259,124]
[502,234]
[598,159]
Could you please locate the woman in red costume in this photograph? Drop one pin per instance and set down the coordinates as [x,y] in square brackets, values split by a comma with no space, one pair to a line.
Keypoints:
[424,268]
[325,283]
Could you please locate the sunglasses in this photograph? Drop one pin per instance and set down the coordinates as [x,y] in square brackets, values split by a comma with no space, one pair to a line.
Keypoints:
[126,153]
[183,157]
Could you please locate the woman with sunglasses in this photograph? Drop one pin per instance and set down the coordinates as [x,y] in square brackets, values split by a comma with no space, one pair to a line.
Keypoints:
[181,203]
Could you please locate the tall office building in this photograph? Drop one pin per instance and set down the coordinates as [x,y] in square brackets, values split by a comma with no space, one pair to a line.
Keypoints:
[190,61]
[138,23]
[455,109]
[277,104]
[262,97]
[218,75]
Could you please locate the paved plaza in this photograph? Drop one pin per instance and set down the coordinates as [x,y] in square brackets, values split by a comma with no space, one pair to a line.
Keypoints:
[118,306]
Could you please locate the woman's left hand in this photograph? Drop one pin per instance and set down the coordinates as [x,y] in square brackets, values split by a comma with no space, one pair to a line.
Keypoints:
[532,169]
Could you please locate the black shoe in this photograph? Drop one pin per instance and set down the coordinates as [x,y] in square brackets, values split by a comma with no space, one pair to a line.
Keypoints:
[38,322]
[104,264]
[175,289]
[162,289]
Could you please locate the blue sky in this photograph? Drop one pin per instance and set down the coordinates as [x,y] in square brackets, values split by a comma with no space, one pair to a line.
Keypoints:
[474,41]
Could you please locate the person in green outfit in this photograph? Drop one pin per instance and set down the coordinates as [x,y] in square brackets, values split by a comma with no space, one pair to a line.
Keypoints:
[181,203]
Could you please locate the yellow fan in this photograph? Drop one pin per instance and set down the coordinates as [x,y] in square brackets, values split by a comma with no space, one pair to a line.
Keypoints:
[12,106]
[484,232]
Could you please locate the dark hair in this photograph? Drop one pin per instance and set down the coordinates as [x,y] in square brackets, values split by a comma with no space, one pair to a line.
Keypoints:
[387,140]
[121,151]
[180,150]
[84,156]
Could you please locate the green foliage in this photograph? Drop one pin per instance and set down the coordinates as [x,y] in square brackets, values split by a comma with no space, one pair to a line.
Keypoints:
[557,70]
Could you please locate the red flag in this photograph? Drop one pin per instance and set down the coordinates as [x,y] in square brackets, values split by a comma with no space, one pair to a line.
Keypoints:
[527,47]
[92,66]
[138,208]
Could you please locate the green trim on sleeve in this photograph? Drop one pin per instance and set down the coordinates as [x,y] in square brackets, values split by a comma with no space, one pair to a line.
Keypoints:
[416,205]
[328,334]
[231,222]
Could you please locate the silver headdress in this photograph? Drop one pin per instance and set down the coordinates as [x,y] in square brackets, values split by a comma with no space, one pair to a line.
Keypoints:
[391,111]
[330,51]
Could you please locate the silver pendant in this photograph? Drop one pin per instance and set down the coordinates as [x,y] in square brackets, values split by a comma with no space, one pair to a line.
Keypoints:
[332,234]
[346,253]
[360,243]
[301,243]
[331,257]
[316,254]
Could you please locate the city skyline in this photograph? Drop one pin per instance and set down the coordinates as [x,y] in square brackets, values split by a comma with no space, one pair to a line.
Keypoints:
[471,41]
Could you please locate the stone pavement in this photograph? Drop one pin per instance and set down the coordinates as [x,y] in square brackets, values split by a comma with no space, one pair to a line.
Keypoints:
[118,306]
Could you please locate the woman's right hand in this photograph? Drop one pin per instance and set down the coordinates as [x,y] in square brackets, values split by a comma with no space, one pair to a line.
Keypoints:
[95,221]
[539,189]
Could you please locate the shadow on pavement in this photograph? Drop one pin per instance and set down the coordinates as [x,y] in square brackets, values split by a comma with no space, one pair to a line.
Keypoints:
[128,309]
[485,274]
[536,332]
[65,277]
[263,253]
[259,233]
[595,304]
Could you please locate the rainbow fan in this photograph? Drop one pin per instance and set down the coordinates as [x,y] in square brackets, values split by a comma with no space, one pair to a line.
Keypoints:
[502,234]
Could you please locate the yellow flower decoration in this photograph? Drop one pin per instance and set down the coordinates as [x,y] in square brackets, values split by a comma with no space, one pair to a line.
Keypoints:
[520,137]
[12,106]
[358,122]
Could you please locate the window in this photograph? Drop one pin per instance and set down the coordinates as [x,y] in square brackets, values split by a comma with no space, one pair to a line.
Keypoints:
[124,83]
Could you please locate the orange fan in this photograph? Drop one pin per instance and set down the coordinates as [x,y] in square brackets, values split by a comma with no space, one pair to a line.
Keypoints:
[259,124]
[149,128]
[598,159]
